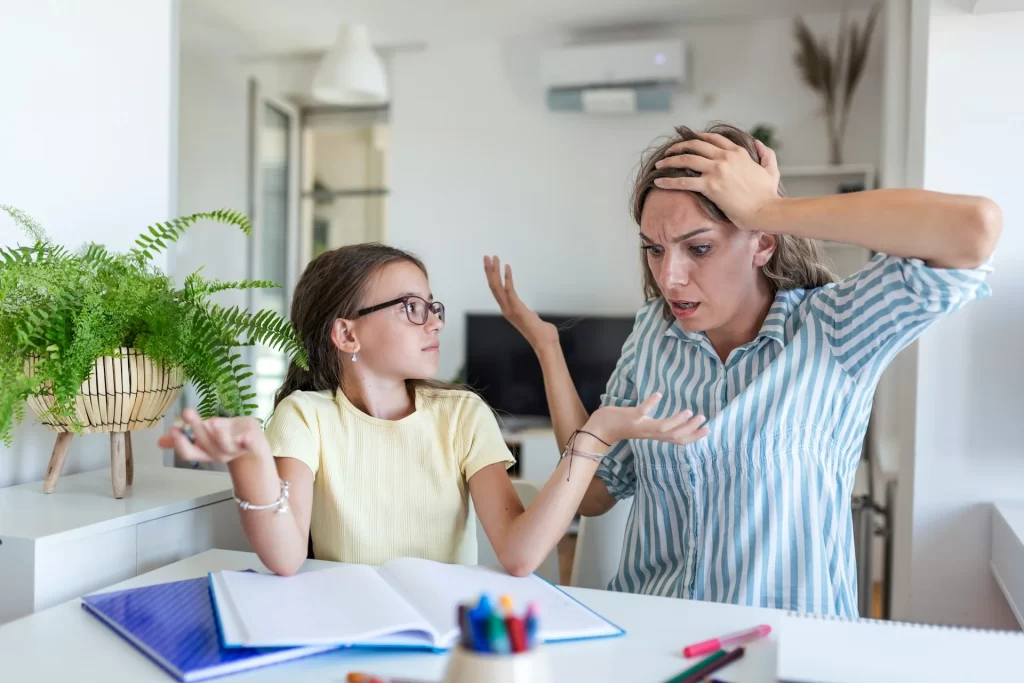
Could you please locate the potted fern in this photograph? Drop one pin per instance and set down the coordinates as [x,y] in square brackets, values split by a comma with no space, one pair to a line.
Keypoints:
[98,341]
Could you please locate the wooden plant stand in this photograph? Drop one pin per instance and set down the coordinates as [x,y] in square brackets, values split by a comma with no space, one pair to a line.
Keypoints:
[122,464]
[123,393]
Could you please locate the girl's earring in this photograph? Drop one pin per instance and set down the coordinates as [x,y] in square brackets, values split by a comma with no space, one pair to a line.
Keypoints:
[353,358]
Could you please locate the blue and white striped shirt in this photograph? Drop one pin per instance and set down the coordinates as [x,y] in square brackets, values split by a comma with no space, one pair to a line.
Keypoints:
[759,511]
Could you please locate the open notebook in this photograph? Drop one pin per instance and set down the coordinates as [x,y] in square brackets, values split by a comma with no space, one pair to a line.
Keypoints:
[406,603]
[817,649]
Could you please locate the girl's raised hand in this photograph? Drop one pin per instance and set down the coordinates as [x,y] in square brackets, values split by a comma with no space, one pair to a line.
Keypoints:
[616,423]
[217,439]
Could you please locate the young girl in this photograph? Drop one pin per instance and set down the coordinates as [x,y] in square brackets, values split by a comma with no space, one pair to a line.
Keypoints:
[369,459]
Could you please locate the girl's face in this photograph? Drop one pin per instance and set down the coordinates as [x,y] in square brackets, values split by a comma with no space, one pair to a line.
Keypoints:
[706,270]
[400,340]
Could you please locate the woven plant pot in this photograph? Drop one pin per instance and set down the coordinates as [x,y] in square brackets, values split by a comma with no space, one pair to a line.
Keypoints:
[122,394]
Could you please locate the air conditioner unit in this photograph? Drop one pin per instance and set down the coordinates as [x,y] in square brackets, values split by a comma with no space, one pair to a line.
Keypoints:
[614,77]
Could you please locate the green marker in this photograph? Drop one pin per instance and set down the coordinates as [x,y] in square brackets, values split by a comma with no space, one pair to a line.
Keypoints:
[497,636]
[696,668]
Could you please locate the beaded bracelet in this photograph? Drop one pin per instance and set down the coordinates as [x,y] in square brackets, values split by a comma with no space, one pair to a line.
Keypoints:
[281,503]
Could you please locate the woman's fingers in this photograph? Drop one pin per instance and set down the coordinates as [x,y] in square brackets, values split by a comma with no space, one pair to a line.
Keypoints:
[769,161]
[700,147]
[510,288]
[691,184]
[693,162]
[492,266]
[720,141]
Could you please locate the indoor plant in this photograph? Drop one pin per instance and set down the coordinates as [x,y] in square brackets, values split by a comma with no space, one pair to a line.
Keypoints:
[835,77]
[98,341]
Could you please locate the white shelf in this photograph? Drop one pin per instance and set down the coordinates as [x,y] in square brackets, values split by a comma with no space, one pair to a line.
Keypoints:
[1007,560]
[54,547]
[83,506]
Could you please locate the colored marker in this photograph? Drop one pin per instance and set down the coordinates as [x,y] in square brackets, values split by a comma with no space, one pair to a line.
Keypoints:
[728,640]
[497,638]
[531,626]
[701,670]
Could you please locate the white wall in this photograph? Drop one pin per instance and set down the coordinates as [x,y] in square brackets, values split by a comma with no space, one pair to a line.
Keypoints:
[213,166]
[480,166]
[87,139]
[969,400]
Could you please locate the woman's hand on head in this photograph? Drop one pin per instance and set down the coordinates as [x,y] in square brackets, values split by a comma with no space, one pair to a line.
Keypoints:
[217,439]
[615,423]
[536,331]
[740,186]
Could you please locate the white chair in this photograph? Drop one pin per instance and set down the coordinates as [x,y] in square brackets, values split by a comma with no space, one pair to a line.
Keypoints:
[599,547]
[486,556]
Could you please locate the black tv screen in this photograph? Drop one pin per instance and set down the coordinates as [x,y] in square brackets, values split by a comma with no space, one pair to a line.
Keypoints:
[503,369]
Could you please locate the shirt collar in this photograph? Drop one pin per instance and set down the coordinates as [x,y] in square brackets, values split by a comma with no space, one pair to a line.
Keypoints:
[773,327]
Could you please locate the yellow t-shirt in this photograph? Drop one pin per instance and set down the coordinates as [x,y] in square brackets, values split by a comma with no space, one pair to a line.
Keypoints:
[390,488]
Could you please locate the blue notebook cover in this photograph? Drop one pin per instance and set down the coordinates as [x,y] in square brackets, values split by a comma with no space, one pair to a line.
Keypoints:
[175,625]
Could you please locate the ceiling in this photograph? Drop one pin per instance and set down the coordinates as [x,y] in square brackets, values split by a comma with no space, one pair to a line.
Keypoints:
[281,27]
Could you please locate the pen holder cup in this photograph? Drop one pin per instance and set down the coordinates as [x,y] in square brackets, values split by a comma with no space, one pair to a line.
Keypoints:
[465,666]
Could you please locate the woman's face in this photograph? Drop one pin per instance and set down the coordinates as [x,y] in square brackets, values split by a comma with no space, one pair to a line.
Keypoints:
[707,270]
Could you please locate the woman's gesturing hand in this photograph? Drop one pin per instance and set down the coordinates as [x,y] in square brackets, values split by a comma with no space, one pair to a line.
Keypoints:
[536,331]
[615,423]
[740,186]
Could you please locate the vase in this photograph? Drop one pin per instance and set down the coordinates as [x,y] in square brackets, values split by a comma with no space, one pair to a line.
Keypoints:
[123,393]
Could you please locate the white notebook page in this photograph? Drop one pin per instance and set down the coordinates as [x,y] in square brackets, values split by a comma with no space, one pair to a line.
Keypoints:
[343,604]
[437,590]
[814,649]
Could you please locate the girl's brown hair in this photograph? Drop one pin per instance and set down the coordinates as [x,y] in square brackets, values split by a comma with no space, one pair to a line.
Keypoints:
[797,263]
[330,288]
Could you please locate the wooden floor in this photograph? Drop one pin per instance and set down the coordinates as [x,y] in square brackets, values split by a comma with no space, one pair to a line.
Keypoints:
[567,549]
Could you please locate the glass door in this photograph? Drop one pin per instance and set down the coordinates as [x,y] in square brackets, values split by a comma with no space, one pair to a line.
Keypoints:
[274,210]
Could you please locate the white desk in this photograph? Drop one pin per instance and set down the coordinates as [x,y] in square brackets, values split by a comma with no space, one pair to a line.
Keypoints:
[66,643]
[1007,561]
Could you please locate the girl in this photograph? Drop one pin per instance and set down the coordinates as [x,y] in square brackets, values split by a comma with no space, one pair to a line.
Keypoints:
[369,459]
[746,324]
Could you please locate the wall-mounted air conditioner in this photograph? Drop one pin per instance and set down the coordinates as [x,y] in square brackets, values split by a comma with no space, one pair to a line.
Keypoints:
[614,77]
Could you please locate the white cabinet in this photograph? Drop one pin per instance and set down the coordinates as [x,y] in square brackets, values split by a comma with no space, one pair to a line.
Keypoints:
[59,546]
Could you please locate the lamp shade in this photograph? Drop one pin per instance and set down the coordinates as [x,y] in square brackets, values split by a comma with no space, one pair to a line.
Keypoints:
[351,73]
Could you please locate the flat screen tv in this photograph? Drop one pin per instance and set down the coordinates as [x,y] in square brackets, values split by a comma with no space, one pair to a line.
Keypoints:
[503,369]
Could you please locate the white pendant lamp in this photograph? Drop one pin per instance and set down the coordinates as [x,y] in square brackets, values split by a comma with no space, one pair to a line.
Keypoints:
[351,73]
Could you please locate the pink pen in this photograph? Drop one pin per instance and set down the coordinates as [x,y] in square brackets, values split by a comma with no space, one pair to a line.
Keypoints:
[728,640]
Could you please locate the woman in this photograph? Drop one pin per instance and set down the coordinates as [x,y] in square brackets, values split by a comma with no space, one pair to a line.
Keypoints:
[744,324]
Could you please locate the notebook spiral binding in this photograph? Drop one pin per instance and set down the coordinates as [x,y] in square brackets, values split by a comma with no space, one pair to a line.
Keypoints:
[905,624]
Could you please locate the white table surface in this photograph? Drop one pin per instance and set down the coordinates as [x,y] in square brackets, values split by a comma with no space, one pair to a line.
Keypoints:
[65,643]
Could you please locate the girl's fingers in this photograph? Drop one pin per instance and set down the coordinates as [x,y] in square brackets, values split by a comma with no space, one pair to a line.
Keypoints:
[185,448]
[648,404]
[222,435]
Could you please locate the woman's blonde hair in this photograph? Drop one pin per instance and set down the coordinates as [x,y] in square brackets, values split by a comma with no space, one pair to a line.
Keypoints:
[797,263]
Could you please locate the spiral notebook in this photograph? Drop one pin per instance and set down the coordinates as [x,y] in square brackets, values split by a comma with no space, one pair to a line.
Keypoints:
[819,649]
[174,624]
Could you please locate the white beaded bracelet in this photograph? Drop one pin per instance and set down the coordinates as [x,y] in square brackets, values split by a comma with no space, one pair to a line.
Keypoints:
[281,503]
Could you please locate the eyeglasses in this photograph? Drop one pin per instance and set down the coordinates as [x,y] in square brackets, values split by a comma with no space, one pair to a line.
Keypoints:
[417,309]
